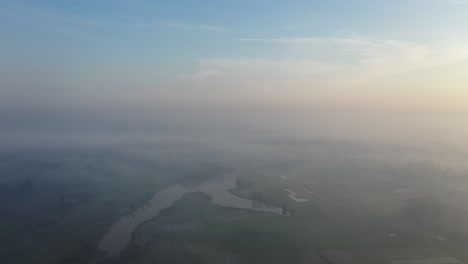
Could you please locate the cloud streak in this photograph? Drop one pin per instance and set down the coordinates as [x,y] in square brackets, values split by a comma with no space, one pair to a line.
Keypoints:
[337,71]
[181,26]
[354,41]
[201,75]
[373,58]
[45,19]
[196,27]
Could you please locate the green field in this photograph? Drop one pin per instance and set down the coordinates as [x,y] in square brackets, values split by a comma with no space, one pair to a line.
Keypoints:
[56,206]
[196,231]
[355,211]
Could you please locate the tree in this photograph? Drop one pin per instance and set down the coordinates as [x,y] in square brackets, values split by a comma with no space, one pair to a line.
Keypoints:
[27,187]
[285,210]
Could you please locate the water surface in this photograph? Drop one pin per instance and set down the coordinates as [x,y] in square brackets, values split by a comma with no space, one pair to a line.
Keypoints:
[120,234]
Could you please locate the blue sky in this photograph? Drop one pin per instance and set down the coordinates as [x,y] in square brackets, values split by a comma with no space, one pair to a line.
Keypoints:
[379,53]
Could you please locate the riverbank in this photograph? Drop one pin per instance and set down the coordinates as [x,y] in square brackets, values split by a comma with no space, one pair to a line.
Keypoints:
[120,233]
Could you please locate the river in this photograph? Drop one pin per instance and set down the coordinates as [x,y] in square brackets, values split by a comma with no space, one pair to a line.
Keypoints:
[120,233]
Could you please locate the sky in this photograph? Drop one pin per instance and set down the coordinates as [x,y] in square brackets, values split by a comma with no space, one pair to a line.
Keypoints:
[93,56]
[328,54]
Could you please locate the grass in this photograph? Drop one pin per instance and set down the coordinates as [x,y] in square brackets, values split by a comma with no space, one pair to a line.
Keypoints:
[345,211]
[199,230]
[74,200]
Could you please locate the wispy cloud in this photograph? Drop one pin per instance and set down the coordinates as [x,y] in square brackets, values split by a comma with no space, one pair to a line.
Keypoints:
[184,26]
[270,68]
[342,62]
[180,26]
[459,2]
[281,40]
[374,57]
[201,75]
[40,18]
[354,41]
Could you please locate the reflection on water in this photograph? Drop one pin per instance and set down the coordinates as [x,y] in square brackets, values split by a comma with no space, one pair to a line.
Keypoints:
[120,233]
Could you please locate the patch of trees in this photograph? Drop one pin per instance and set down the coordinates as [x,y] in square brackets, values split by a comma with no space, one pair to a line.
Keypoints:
[27,187]
[203,173]
[243,184]
[22,188]
[419,209]
[4,189]
[257,196]
[426,212]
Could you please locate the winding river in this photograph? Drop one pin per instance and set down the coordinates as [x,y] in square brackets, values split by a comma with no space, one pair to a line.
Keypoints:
[120,233]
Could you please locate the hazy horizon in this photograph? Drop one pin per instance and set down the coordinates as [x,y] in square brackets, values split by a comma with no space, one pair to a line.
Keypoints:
[387,71]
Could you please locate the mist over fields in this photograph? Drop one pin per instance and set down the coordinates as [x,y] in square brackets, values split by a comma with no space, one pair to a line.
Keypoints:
[439,134]
[233,132]
[338,179]
[300,184]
